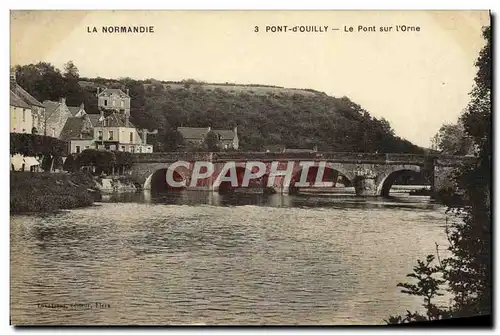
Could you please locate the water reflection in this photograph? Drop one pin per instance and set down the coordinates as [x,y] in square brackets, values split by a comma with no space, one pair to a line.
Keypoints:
[194,198]
[199,257]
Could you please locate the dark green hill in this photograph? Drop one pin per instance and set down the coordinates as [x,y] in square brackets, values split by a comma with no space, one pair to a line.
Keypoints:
[265,115]
[269,116]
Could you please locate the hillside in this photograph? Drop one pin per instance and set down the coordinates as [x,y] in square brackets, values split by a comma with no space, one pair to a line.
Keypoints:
[265,115]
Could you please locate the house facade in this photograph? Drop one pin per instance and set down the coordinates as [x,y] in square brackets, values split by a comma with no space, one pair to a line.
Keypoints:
[114,98]
[112,132]
[28,118]
[20,115]
[56,113]
[228,139]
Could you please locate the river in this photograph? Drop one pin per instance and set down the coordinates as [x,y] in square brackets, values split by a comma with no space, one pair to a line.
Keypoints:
[202,258]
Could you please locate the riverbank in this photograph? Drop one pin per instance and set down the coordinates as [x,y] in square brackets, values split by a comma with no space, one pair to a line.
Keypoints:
[34,192]
[116,184]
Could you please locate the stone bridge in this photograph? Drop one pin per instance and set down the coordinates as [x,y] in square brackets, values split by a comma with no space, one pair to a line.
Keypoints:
[371,174]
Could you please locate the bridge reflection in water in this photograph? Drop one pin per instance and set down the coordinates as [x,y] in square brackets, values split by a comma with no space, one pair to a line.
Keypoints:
[313,199]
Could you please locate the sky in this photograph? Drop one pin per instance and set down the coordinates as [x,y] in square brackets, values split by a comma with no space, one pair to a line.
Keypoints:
[417,80]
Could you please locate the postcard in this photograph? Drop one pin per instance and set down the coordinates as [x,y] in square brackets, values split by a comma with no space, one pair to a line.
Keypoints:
[250,167]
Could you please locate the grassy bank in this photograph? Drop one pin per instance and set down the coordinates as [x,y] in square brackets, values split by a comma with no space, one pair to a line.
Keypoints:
[49,192]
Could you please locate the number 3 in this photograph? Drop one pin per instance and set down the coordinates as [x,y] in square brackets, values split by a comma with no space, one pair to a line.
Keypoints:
[256,29]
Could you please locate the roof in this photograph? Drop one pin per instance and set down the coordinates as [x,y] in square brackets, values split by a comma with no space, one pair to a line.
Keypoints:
[50,107]
[199,133]
[192,133]
[24,95]
[109,91]
[224,134]
[17,101]
[74,109]
[73,129]
[113,120]
[94,119]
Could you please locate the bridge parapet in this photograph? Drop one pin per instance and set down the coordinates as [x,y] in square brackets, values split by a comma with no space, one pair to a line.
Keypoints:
[352,157]
[158,157]
[445,160]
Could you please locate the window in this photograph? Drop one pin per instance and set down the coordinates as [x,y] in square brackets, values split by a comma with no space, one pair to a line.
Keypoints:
[112,147]
[132,149]
[113,103]
[122,104]
[99,133]
[24,115]
[123,148]
[105,102]
[110,135]
[87,147]
[131,137]
[77,149]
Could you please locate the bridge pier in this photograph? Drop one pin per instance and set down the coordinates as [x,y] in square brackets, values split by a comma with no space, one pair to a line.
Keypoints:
[365,186]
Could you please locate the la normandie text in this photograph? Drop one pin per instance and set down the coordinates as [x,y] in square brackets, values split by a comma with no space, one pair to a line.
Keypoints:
[122,29]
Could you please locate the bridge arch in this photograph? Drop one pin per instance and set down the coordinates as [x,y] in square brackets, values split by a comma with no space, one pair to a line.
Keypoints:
[387,179]
[157,180]
[256,183]
[333,172]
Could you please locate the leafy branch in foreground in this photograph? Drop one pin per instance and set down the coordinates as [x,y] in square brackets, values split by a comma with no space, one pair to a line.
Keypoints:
[467,272]
[428,287]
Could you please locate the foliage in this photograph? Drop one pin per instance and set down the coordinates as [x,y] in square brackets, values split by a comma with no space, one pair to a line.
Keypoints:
[294,118]
[211,142]
[467,272]
[428,287]
[70,70]
[452,140]
[36,145]
[102,161]
[70,164]
[45,82]
[34,192]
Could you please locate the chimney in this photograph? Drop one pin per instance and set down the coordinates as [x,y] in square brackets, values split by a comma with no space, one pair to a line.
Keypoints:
[13,77]
[97,91]
[62,101]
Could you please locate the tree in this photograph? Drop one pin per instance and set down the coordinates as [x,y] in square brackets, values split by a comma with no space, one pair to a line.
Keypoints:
[211,142]
[173,140]
[453,140]
[469,270]
[70,164]
[467,273]
[70,70]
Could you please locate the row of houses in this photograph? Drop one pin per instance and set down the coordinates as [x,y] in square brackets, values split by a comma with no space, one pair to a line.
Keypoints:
[109,130]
